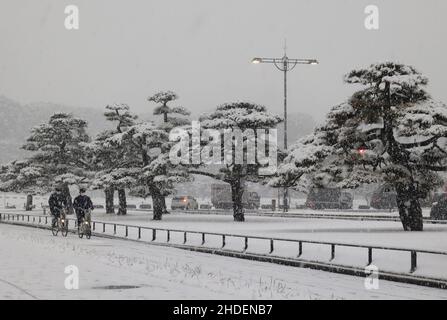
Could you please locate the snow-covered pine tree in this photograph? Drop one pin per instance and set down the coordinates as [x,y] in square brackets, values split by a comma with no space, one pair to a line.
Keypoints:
[172,116]
[147,149]
[390,131]
[109,160]
[21,176]
[57,152]
[243,116]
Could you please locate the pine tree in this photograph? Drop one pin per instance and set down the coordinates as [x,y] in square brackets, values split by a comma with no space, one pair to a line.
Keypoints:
[171,115]
[22,176]
[147,150]
[390,131]
[231,117]
[108,160]
[57,153]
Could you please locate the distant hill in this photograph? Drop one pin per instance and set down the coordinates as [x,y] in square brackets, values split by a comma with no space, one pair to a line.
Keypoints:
[16,121]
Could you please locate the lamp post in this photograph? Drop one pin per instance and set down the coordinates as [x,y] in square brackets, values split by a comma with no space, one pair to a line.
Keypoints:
[285,64]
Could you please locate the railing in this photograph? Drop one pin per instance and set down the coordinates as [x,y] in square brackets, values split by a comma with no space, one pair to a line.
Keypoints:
[155,232]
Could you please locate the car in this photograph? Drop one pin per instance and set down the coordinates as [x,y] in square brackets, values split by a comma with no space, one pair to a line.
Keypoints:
[184,203]
[145,206]
[221,197]
[384,197]
[329,198]
[439,207]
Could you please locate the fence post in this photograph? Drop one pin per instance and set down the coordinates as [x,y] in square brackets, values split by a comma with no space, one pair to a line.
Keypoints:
[127,231]
[223,241]
[203,239]
[300,249]
[332,252]
[413,261]
[28,218]
[271,246]
[154,234]
[40,220]
[184,238]
[114,229]
[139,232]
[370,256]
[168,236]
[46,220]
[103,227]
[246,244]
[94,225]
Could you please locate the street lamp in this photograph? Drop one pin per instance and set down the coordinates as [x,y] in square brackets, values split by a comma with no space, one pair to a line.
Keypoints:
[284,64]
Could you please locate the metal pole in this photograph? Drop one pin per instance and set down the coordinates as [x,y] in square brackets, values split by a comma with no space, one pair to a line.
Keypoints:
[286,66]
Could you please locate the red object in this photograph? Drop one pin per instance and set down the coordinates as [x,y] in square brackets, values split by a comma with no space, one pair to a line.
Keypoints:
[361,150]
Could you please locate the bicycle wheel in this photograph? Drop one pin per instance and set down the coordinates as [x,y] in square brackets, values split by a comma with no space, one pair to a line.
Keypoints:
[64,229]
[55,228]
[88,231]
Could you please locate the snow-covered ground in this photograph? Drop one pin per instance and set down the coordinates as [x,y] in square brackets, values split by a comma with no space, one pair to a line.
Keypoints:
[373,233]
[385,233]
[33,263]
[370,233]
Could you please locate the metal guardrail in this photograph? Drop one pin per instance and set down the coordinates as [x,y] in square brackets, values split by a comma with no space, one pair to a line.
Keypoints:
[327,214]
[154,232]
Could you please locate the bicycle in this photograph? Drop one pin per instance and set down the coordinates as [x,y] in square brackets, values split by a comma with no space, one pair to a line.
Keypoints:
[61,224]
[85,227]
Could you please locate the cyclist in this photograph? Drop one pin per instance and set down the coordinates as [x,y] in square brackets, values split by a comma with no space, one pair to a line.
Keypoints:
[57,203]
[82,204]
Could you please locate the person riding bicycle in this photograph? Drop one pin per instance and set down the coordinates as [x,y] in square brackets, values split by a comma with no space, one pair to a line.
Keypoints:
[82,204]
[57,203]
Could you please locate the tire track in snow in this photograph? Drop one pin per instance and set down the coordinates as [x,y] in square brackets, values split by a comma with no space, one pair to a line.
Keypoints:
[18,288]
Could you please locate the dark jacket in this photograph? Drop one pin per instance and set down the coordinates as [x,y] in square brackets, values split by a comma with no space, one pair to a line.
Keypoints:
[57,202]
[82,203]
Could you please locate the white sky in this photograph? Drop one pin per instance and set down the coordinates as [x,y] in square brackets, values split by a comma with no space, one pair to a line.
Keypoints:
[127,50]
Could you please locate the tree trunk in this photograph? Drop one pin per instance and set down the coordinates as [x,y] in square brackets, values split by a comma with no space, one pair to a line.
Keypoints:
[410,211]
[407,198]
[66,192]
[122,211]
[237,190]
[163,202]
[29,202]
[158,206]
[109,193]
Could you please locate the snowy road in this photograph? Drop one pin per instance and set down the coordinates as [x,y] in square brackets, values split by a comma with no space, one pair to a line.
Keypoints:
[33,263]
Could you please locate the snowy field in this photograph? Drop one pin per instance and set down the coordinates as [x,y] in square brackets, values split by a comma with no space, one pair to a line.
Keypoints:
[33,264]
[372,233]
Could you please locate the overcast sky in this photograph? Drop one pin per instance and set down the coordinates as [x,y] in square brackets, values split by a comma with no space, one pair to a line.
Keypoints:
[126,50]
